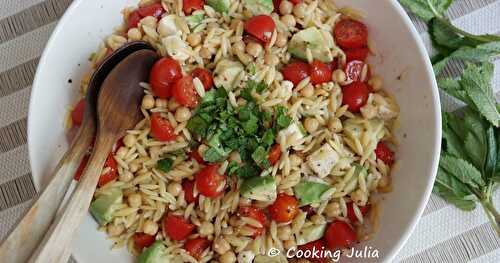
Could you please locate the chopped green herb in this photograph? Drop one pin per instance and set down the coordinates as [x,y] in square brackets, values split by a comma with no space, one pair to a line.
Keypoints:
[165,165]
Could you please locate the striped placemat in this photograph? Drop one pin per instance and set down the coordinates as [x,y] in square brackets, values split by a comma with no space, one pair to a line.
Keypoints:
[444,234]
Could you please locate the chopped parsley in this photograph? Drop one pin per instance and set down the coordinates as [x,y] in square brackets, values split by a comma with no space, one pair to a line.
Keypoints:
[165,165]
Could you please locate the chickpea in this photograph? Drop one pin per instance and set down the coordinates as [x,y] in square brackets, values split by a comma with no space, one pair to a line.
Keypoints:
[384,181]
[206,228]
[149,21]
[333,209]
[161,103]
[311,124]
[134,200]
[182,114]
[359,197]
[254,49]
[150,227]
[299,10]
[129,140]
[173,104]
[334,124]
[285,7]
[115,230]
[288,20]
[126,176]
[194,39]
[281,40]
[238,47]
[308,91]
[376,83]
[134,34]
[228,257]
[205,53]
[339,76]
[284,233]
[295,160]
[121,152]
[221,246]
[174,189]
[271,59]
[148,102]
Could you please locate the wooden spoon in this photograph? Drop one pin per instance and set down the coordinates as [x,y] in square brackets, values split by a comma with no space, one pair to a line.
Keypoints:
[22,241]
[118,109]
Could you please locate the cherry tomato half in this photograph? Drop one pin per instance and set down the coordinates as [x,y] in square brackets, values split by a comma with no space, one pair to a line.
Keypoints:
[350,211]
[161,129]
[185,93]
[257,214]
[188,6]
[142,240]
[350,33]
[155,10]
[296,72]
[274,154]
[261,27]
[339,234]
[188,188]
[355,95]
[284,209]
[384,153]
[318,245]
[359,54]
[163,76]
[354,70]
[320,72]
[176,227]
[209,182]
[204,76]
[196,246]
[78,112]
[133,19]
[112,174]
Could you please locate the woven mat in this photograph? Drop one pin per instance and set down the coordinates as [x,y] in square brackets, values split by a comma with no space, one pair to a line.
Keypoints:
[444,234]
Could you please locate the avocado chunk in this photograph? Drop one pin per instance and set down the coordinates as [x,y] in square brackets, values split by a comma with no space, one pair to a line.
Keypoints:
[220,6]
[259,188]
[323,160]
[226,73]
[310,234]
[259,7]
[194,20]
[310,192]
[103,207]
[311,38]
[169,25]
[153,254]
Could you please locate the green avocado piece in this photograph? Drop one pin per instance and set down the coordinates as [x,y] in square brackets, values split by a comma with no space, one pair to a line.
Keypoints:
[194,20]
[153,254]
[220,6]
[259,7]
[317,42]
[103,207]
[310,192]
[310,234]
[226,72]
[259,188]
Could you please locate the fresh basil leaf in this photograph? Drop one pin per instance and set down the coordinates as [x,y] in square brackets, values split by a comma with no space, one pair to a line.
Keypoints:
[462,170]
[492,154]
[427,9]
[478,54]
[165,165]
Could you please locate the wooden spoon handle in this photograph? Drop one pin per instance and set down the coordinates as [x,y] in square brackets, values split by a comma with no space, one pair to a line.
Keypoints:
[23,240]
[59,237]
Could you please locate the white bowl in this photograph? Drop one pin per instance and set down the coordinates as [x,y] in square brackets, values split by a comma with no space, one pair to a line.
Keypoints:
[402,61]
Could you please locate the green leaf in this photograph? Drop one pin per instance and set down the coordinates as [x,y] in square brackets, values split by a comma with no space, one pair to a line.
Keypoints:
[248,170]
[454,145]
[197,126]
[453,191]
[480,53]
[443,34]
[492,155]
[282,120]
[212,155]
[268,137]
[476,82]
[165,165]
[260,157]
[453,88]
[427,9]
[461,170]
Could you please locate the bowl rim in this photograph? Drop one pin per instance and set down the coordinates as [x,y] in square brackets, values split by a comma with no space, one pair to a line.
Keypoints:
[392,253]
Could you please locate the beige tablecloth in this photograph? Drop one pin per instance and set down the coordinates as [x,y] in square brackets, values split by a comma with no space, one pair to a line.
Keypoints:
[444,234]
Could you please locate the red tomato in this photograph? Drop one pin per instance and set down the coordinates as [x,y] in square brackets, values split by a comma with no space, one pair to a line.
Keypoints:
[261,27]
[77,113]
[81,167]
[133,19]
[318,245]
[257,214]
[355,95]
[284,209]
[196,246]
[188,188]
[354,70]
[276,5]
[359,54]
[350,211]
[274,154]
[185,93]
[204,76]
[142,240]
[295,1]
[161,129]
[209,182]
[195,155]
[332,66]
[155,10]
[112,174]
[176,227]
[350,33]
[320,72]
[384,153]
[189,6]
[296,72]
[163,75]
[339,234]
